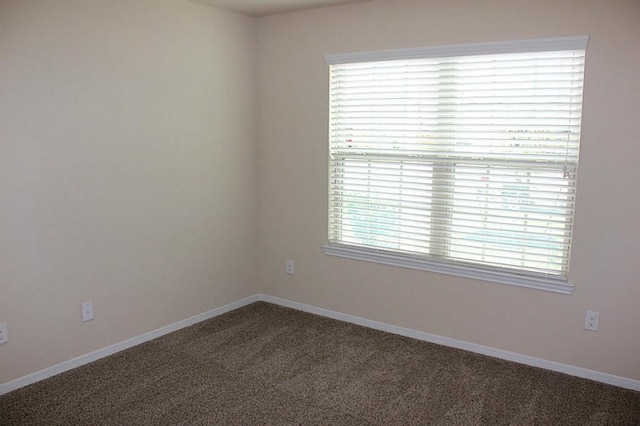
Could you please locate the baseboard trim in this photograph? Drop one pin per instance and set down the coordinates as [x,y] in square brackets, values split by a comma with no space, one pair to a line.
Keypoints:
[597,376]
[126,344]
[584,373]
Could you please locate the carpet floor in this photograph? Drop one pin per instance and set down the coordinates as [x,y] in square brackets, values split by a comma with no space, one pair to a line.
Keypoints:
[269,365]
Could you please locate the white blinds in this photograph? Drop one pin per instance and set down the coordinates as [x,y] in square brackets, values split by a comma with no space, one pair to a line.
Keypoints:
[467,159]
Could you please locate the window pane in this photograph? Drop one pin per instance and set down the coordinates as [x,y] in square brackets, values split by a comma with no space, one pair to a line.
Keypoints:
[511,216]
[382,204]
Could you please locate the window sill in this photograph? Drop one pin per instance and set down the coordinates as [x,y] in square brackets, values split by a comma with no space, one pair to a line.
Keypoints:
[539,283]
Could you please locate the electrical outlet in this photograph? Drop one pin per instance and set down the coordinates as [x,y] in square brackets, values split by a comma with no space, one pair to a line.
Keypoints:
[4,337]
[591,320]
[289,267]
[87,311]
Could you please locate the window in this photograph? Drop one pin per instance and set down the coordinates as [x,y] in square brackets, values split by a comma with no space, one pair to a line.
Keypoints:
[459,159]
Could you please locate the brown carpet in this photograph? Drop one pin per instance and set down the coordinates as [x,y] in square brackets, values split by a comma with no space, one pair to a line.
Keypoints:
[264,364]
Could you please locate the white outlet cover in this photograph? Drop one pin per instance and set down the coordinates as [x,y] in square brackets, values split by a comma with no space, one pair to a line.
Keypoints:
[87,311]
[4,336]
[591,321]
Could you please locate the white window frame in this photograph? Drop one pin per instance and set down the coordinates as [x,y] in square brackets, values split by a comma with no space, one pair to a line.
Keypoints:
[522,279]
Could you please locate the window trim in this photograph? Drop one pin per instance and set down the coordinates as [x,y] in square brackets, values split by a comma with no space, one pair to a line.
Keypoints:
[554,285]
[460,269]
[489,48]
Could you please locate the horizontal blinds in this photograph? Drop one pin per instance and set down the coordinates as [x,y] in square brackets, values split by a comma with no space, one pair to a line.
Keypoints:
[466,159]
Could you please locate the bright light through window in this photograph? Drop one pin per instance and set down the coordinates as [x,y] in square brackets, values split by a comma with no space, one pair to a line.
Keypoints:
[463,159]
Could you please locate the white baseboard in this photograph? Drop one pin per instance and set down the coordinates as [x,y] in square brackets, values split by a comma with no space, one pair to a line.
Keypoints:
[611,379]
[597,376]
[126,344]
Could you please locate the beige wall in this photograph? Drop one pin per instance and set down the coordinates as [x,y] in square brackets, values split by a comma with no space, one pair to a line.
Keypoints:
[293,180]
[130,174]
[127,170]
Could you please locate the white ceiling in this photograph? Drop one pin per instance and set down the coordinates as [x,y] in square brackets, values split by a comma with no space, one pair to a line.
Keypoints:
[271,7]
